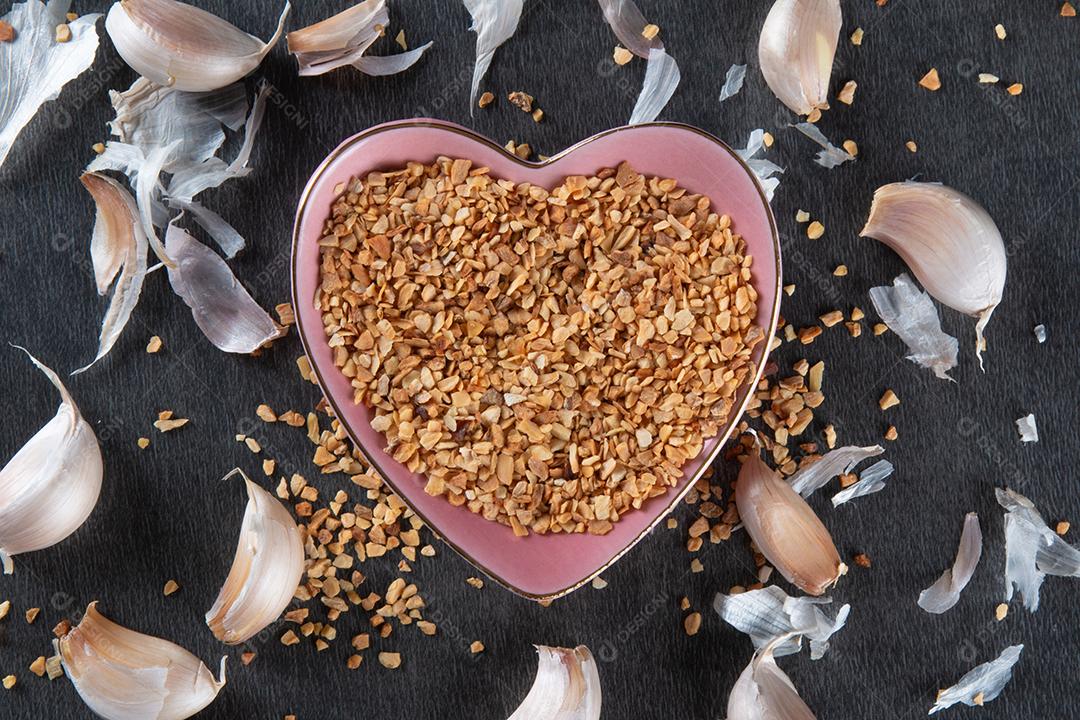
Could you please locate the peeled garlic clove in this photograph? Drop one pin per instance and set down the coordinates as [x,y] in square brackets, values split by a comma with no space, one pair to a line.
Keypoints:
[765,692]
[567,687]
[52,484]
[785,529]
[948,240]
[266,569]
[124,675]
[177,45]
[796,49]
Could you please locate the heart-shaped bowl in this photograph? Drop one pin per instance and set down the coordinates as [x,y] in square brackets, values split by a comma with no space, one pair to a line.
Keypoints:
[538,566]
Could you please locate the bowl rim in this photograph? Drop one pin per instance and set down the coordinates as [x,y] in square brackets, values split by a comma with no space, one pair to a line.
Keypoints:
[446,126]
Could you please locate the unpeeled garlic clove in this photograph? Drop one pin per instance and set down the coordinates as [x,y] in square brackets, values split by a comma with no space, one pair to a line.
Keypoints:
[765,692]
[52,484]
[785,529]
[948,240]
[266,569]
[124,675]
[567,687]
[796,50]
[178,45]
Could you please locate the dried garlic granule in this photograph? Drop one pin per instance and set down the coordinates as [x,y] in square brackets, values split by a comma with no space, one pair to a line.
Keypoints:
[494,327]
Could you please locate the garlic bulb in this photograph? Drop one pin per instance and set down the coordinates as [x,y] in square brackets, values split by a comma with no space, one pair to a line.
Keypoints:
[177,45]
[567,687]
[124,675]
[785,529]
[796,49]
[265,573]
[52,484]
[948,240]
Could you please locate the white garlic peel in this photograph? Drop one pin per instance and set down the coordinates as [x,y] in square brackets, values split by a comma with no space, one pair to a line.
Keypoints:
[567,687]
[774,619]
[796,50]
[125,675]
[765,692]
[178,45]
[266,569]
[945,593]
[51,485]
[119,246]
[494,22]
[948,240]
[785,529]
[982,683]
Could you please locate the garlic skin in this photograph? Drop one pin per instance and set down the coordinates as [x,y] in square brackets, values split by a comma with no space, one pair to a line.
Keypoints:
[567,687]
[124,675]
[948,240]
[796,50]
[177,45]
[266,569]
[119,246]
[785,529]
[51,485]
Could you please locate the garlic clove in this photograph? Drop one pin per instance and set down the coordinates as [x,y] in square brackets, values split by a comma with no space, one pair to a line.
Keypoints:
[796,50]
[124,675]
[567,687]
[178,45]
[785,529]
[121,244]
[266,569]
[51,485]
[948,240]
[765,692]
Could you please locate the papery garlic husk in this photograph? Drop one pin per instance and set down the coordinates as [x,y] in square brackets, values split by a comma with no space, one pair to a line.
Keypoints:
[266,569]
[796,50]
[338,40]
[948,240]
[945,593]
[34,67]
[119,244]
[765,692]
[1032,549]
[871,480]
[494,22]
[178,45]
[982,683]
[774,619]
[221,307]
[125,675]
[567,687]
[52,484]
[785,529]
[815,475]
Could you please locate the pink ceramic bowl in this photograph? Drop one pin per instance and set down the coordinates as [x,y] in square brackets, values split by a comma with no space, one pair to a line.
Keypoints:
[538,566]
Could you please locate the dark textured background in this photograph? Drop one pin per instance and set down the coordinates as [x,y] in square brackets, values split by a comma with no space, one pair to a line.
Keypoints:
[164,515]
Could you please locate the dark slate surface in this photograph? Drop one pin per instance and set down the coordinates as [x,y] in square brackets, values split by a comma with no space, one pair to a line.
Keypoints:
[164,515]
